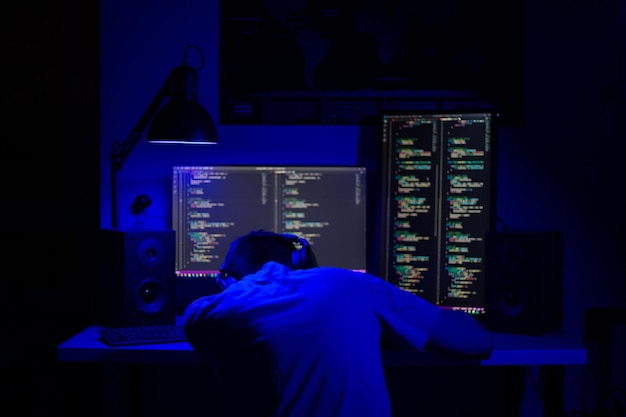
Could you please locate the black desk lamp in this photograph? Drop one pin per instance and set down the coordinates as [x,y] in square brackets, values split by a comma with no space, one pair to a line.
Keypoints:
[181,120]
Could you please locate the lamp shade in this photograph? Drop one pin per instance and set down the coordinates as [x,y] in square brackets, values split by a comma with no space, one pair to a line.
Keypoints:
[183,119]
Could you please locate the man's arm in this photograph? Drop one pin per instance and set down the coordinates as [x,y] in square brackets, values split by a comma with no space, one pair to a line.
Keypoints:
[459,335]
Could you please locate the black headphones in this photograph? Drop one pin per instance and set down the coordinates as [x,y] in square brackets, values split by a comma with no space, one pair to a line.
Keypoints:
[302,256]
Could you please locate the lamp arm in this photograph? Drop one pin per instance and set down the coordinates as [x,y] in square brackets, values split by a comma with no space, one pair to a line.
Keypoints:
[121,150]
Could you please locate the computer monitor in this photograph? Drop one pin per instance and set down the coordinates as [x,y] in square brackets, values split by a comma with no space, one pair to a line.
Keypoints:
[213,205]
[438,202]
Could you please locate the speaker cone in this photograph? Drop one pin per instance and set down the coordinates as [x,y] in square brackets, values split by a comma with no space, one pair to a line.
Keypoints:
[150,297]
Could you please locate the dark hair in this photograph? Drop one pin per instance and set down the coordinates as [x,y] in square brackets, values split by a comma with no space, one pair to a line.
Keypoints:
[248,253]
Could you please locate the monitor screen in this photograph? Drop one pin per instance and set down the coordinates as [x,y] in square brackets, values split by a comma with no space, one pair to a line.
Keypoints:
[438,202]
[213,205]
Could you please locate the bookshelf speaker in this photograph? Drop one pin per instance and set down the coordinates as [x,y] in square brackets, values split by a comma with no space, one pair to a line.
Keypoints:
[523,281]
[137,277]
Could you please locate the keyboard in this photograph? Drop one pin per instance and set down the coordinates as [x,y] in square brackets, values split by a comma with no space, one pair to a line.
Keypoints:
[142,335]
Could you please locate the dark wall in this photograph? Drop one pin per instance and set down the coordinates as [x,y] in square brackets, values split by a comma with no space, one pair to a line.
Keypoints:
[50,192]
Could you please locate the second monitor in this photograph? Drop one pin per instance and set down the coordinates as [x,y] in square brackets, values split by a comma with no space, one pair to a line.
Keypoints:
[438,202]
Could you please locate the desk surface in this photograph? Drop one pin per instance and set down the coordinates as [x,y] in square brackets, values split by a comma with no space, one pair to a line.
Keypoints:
[509,349]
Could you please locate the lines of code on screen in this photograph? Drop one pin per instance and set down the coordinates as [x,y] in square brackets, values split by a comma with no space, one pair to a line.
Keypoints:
[212,205]
[439,193]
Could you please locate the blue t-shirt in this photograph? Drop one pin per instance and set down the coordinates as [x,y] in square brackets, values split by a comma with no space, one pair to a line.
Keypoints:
[306,342]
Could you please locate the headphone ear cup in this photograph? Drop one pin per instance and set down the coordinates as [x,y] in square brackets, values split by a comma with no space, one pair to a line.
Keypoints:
[296,259]
[303,257]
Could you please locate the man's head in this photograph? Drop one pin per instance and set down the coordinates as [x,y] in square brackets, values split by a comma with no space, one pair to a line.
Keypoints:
[248,253]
